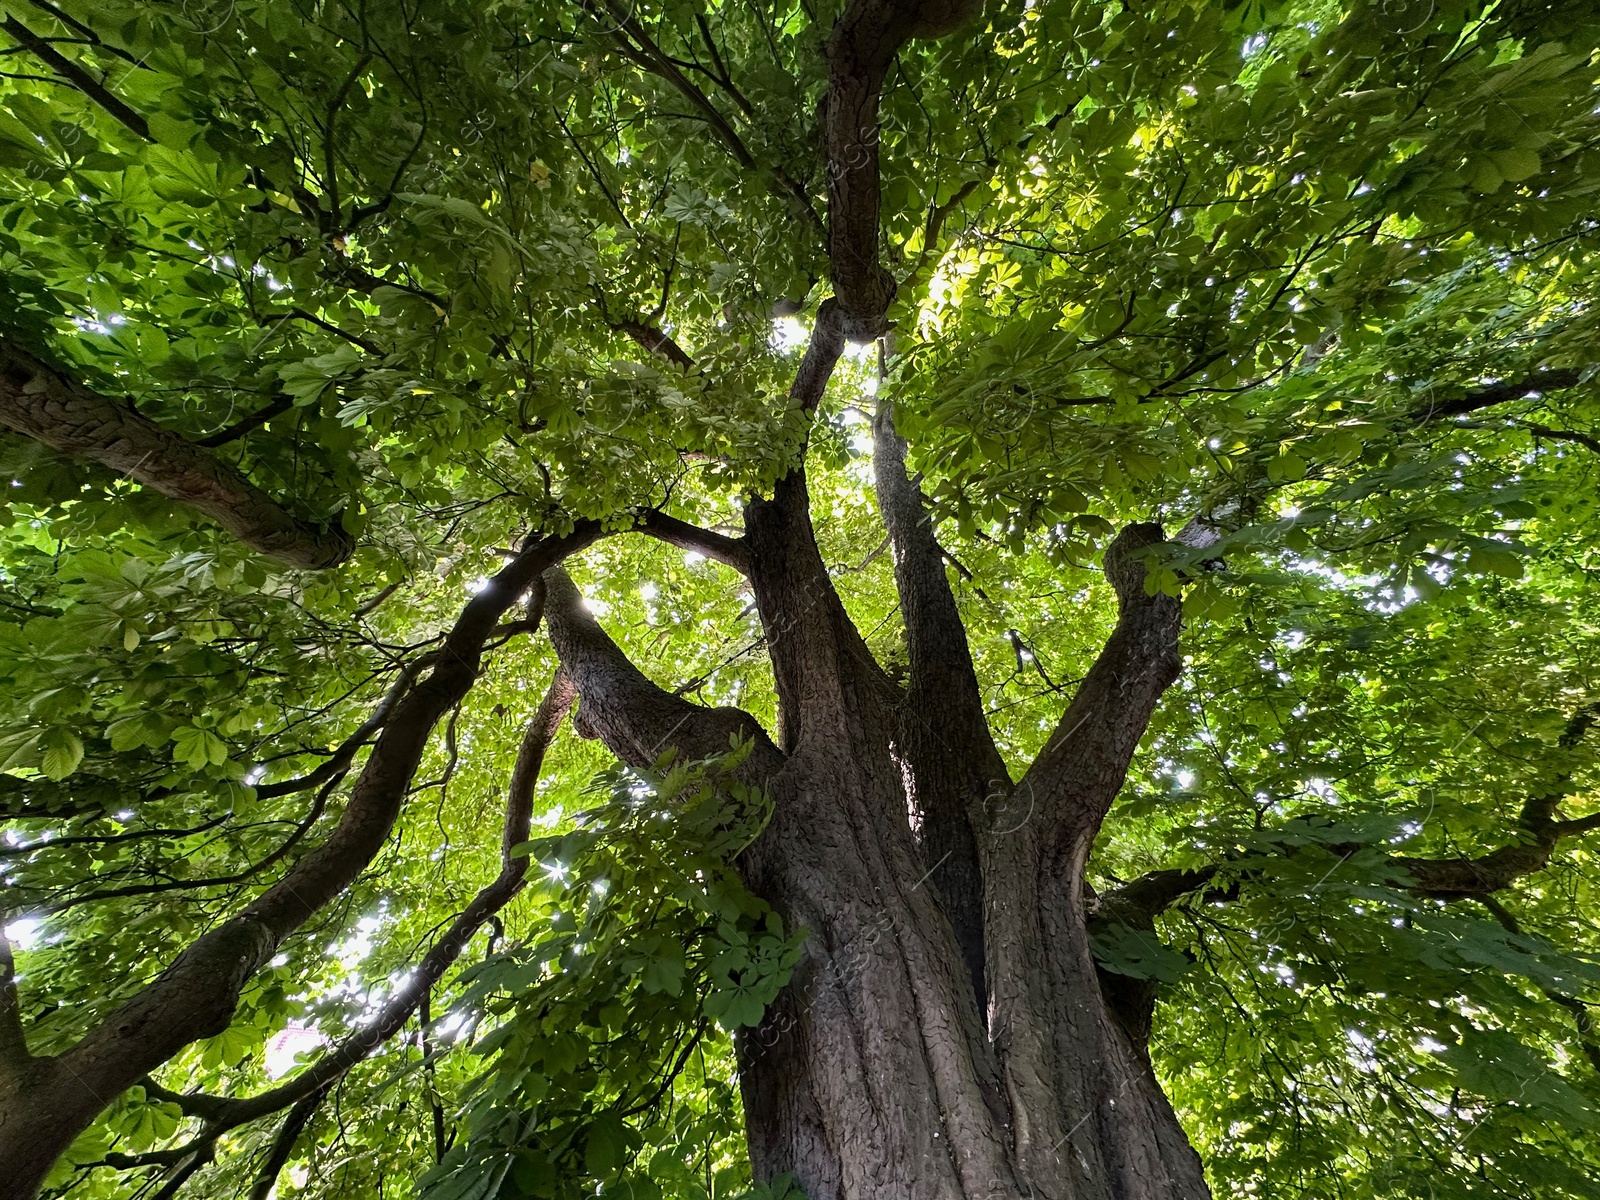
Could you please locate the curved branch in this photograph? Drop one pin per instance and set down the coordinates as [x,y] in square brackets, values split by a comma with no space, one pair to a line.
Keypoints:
[196,996]
[222,1113]
[1497,393]
[283,1145]
[1077,775]
[653,340]
[637,720]
[1581,1018]
[730,552]
[1138,902]
[74,74]
[347,749]
[46,405]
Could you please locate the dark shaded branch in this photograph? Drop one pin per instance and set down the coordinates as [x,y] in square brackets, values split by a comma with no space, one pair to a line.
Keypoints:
[48,406]
[78,77]
[1562,435]
[1140,901]
[637,720]
[89,35]
[823,350]
[183,885]
[1074,779]
[860,50]
[283,1145]
[1539,834]
[638,47]
[631,37]
[195,996]
[14,1054]
[232,433]
[652,339]
[355,339]
[730,552]
[943,730]
[186,1169]
[222,1113]
[1496,393]
[358,278]
[1582,1019]
[347,749]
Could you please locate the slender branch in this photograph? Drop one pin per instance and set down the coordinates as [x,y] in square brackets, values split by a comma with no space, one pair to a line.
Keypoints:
[1581,1017]
[232,433]
[1562,435]
[283,1145]
[223,1113]
[250,872]
[1496,393]
[195,996]
[1540,833]
[652,339]
[347,749]
[648,55]
[79,78]
[300,314]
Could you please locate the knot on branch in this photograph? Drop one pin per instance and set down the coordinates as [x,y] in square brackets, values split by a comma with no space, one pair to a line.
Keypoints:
[1126,559]
[869,325]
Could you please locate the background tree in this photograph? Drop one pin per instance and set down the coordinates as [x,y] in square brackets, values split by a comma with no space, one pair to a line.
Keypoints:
[1115,619]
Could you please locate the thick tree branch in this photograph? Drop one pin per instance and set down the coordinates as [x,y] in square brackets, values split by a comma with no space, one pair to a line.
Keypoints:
[651,338]
[195,997]
[78,77]
[46,405]
[13,1040]
[944,732]
[1540,832]
[860,50]
[730,552]
[1496,393]
[283,1145]
[637,720]
[1077,775]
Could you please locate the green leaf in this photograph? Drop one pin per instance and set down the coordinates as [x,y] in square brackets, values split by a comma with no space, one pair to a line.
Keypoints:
[198,748]
[60,752]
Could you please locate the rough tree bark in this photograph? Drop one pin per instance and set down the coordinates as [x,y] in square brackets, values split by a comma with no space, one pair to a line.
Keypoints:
[877,1074]
[38,400]
[945,1033]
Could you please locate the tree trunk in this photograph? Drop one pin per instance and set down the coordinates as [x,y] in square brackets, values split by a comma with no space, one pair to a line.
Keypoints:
[872,1075]
[875,1076]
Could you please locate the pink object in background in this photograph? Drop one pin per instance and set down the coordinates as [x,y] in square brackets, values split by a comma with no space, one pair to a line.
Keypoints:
[283,1047]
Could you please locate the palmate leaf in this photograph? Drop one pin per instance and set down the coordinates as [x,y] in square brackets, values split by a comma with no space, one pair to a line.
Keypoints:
[1124,950]
[1152,260]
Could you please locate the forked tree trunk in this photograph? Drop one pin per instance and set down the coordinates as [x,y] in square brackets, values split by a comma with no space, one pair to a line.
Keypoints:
[876,1076]
[873,1076]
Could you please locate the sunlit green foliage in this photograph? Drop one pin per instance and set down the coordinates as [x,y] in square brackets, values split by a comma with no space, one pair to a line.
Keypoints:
[1152,257]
